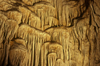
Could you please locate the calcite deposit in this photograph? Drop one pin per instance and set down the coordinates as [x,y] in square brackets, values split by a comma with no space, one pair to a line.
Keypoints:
[49,32]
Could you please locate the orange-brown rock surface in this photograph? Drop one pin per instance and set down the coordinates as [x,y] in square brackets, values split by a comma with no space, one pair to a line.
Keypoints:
[49,33]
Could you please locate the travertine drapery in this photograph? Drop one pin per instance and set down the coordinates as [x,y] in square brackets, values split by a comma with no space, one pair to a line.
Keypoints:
[49,33]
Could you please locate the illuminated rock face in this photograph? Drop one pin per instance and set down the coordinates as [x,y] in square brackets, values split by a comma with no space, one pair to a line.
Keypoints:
[49,32]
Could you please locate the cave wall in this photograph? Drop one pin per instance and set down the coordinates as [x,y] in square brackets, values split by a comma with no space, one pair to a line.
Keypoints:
[49,32]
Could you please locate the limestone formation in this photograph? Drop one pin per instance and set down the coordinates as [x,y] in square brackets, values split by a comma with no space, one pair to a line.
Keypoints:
[18,54]
[52,59]
[49,32]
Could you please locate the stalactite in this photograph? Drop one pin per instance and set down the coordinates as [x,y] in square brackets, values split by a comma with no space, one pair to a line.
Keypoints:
[15,16]
[49,33]
[36,42]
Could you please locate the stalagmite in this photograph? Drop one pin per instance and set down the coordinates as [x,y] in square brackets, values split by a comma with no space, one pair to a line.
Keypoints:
[44,52]
[18,54]
[60,62]
[49,33]
[26,32]
[49,47]
[56,48]
[51,59]
[60,35]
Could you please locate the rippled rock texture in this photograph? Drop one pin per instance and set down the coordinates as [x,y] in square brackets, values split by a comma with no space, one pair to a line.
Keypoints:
[49,32]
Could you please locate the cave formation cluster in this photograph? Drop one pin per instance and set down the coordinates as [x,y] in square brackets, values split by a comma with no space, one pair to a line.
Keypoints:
[49,32]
